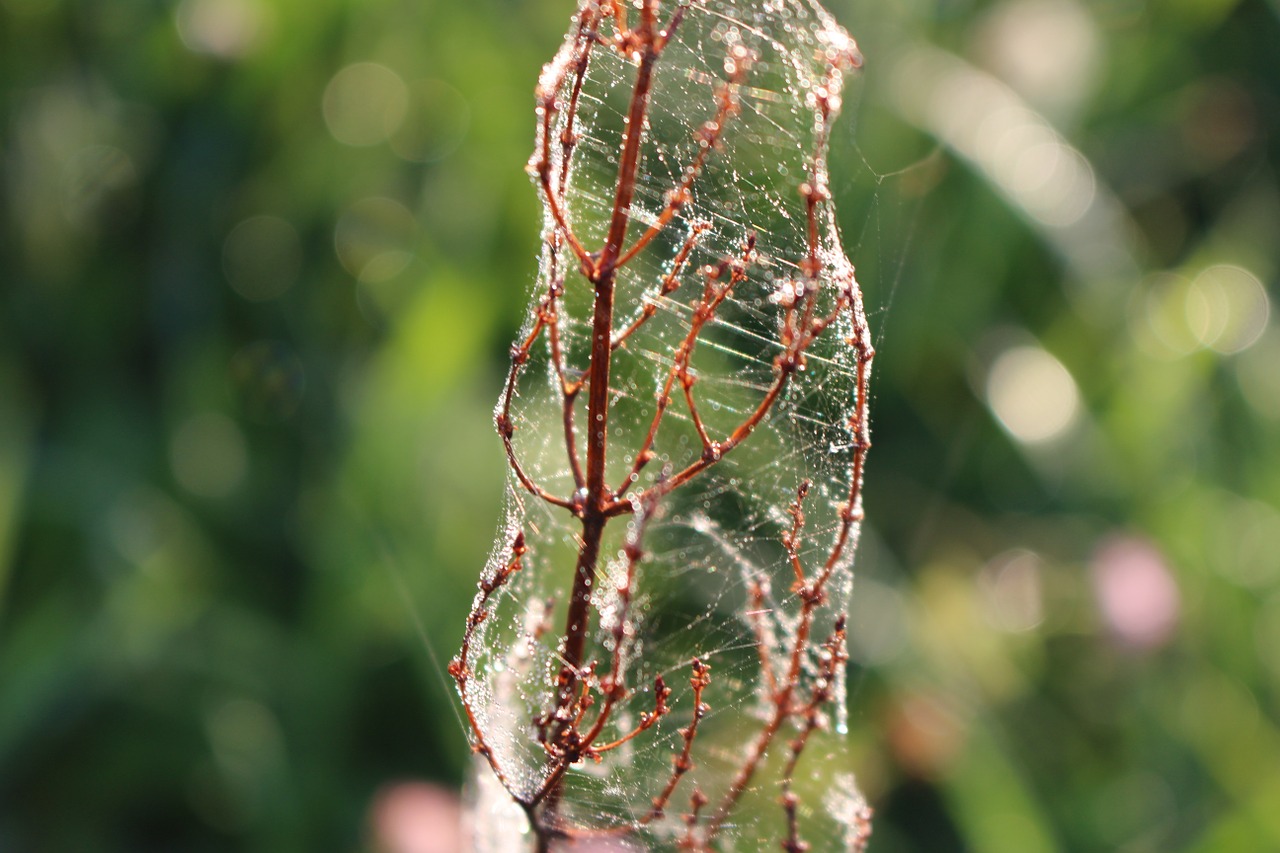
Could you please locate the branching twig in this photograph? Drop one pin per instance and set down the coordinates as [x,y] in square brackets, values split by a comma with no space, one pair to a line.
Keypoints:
[707,137]
[832,660]
[683,763]
[670,282]
[713,295]
[582,718]
[460,666]
[697,800]
[506,427]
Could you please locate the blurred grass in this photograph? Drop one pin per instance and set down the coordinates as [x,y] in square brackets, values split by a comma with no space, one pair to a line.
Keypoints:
[247,370]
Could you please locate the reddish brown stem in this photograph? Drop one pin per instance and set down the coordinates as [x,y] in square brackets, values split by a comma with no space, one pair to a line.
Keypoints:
[603,277]
[697,801]
[683,762]
[660,709]
[670,283]
[791,540]
[834,658]
[567,730]
[713,296]
[547,108]
[460,666]
[568,390]
[707,137]
[505,424]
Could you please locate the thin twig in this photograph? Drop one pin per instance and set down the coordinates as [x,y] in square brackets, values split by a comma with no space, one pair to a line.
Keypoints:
[707,138]
[505,424]
[713,295]
[832,660]
[460,667]
[670,283]
[683,762]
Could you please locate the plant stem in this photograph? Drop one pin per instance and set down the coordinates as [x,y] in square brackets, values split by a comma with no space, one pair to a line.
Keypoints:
[603,278]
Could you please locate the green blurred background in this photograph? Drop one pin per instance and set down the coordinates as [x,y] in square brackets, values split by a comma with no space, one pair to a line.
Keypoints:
[260,262]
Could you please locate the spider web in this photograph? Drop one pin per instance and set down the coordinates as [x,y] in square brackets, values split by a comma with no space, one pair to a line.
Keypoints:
[710,570]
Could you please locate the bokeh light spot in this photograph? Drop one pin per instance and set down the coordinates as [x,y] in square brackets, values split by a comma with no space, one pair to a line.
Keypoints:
[1159,321]
[925,733]
[364,104]
[1258,376]
[262,257]
[136,529]
[1046,49]
[417,817]
[1227,308]
[207,454]
[1022,154]
[247,745]
[227,29]
[1136,592]
[95,181]
[1032,394]
[1012,591]
[1221,121]
[375,239]
[1244,540]
[436,122]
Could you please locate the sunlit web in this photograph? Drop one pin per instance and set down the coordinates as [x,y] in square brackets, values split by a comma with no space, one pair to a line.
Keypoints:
[736,427]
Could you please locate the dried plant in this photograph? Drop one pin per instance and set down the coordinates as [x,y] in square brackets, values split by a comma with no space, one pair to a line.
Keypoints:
[686,425]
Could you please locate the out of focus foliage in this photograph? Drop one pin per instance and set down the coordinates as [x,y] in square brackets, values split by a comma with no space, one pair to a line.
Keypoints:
[259,264]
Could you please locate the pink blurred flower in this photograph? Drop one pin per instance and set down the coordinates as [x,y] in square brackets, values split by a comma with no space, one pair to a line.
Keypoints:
[419,817]
[416,817]
[1136,592]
